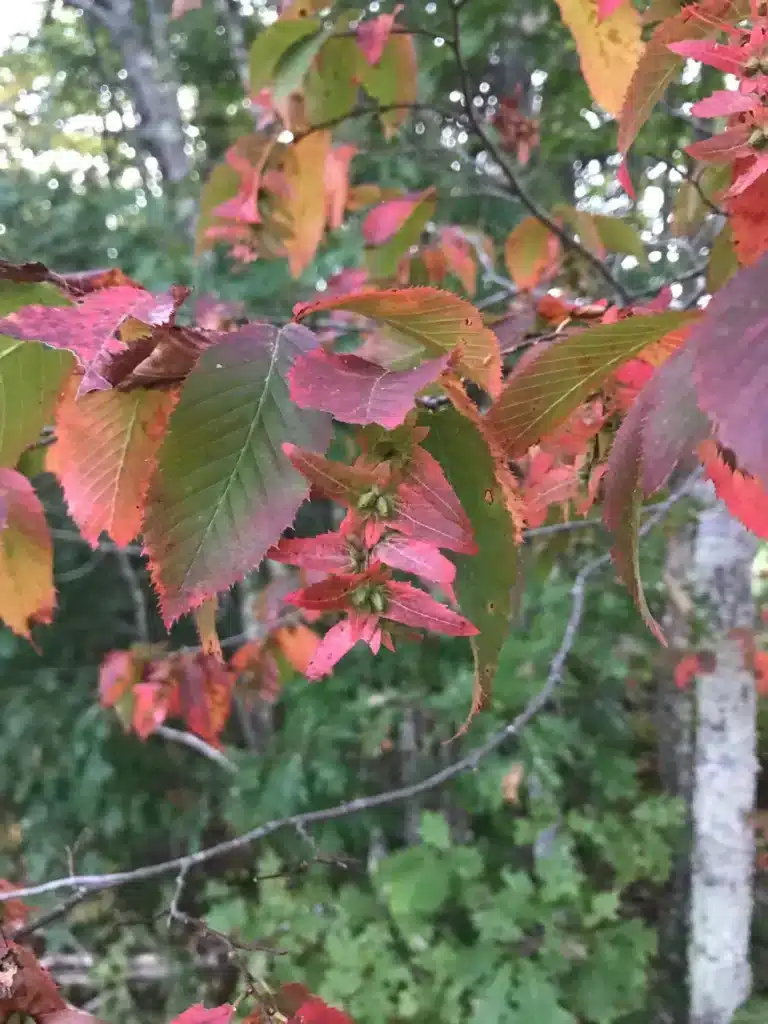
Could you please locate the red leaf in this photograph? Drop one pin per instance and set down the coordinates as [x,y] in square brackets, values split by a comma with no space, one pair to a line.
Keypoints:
[428,509]
[416,608]
[13,913]
[328,552]
[335,480]
[88,328]
[355,390]
[386,219]
[337,642]
[25,986]
[329,595]
[181,7]
[198,1014]
[730,348]
[105,455]
[744,495]
[205,693]
[151,706]
[117,675]
[623,178]
[337,182]
[685,670]
[27,592]
[315,1011]
[372,35]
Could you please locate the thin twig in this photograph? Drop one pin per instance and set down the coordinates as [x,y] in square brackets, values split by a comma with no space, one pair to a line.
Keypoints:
[98,883]
[384,108]
[196,743]
[140,615]
[515,187]
[60,910]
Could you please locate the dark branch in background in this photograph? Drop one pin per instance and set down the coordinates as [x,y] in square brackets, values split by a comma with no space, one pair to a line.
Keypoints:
[196,743]
[384,108]
[98,883]
[515,187]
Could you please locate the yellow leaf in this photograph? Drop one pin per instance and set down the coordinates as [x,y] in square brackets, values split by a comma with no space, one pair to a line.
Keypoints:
[609,50]
[510,784]
[305,205]
[205,621]
[27,593]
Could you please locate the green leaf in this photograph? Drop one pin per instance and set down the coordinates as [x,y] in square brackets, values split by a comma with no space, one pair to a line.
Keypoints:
[493,1005]
[392,80]
[723,263]
[414,882]
[543,392]
[434,830]
[383,259]
[331,88]
[15,294]
[224,490]
[293,67]
[484,581]
[32,376]
[537,999]
[273,44]
[222,184]
[618,235]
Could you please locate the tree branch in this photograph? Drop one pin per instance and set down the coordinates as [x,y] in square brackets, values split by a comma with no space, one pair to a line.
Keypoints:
[333,122]
[515,187]
[98,883]
[196,743]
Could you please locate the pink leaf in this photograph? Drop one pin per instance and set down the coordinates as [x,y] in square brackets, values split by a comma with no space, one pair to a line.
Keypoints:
[181,7]
[413,607]
[337,182]
[357,391]
[372,35]
[428,508]
[729,59]
[386,219]
[722,148]
[623,178]
[730,352]
[418,557]
[198,1014]
[88,328]
[340,639]
[605,8]
[724,102]
[328,552]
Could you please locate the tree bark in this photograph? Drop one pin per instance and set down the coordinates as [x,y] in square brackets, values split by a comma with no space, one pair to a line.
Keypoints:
[151,80]
[712,764]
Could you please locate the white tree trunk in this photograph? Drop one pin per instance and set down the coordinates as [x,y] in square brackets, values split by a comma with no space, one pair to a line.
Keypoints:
[724,773]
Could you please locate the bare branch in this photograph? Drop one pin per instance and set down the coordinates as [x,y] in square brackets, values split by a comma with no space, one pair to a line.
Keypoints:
[98,883]
[196,743]
[364,111]
[515,187]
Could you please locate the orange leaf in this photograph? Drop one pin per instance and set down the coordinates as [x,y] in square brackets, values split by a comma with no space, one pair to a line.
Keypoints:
[27,593]
[608,50]
[304,208]
[531,253]
[297,644]
[429,319]
[104,456]
[510,784]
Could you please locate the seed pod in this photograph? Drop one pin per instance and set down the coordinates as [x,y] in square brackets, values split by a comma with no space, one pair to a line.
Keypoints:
[367,500]
[752,66]
[758,139]
[359,597]
[383,507]
[378,602]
